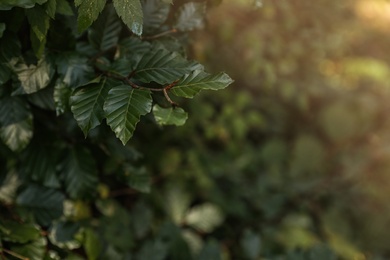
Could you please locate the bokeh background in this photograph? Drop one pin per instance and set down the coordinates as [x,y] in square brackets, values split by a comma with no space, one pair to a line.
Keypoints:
[293,160]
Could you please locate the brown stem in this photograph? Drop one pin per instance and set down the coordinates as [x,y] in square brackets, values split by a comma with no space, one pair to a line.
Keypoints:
[133,85]
[151,37]
[168,98]
[14,254]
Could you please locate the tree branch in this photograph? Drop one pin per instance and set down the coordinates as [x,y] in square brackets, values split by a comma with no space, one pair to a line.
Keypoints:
[152,37]
[127,81]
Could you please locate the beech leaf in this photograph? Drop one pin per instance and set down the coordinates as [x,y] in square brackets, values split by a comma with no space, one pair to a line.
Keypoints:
[192,83]
[169,116]
[87,104]
[123,108]
[130,11]
[89,11]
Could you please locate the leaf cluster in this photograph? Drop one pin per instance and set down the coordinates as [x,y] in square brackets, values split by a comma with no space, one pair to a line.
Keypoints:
[71,65]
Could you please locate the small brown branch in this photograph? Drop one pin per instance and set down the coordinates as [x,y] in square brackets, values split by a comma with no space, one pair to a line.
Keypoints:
[127,81]
[14,254]
[169,99]
[168,87]
[152,37]
[131,74]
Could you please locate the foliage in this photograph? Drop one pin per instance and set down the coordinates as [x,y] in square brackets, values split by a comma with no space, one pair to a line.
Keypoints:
[71,65]
[290,163]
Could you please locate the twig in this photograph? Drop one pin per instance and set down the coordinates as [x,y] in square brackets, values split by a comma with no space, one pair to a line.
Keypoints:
[151,37]
[14,254]
[133,85]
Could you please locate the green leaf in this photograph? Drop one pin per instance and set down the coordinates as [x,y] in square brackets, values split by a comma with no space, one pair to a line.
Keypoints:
[169,116]
[13,110]
[39,164]
[43,99]
[17,135]
[162,66]
[116,225]
[194,82]
[138,179]
[130,11]
[80,173]
[89,11]
[74,69]
[5,72]
[133,45]
[123,108]
[104,33]
[92,244]
[176,203]
[10,47]
[18,232]
[46,204]
[211,250]
[142,217]
[205,217]
[2,29]
[33,77]
[62,234]
[8,4]
[37,45]
[64,8]
[153,250]
[250,243]
[39,21]
[61,97]
[190,17]
[171,235]
[32,251]
[9,186]
[50,8]
[155,14]
[87,103]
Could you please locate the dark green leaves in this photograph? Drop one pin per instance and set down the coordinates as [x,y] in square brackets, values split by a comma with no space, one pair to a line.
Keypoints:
[34,250]
[80,173]
[40,22]
[89,11]
[8,4]
[33,77]
[192,83]
[155,14]
[91,244]
[123,108]
[87,104]
[138,179]
[169,116]
[2,29]
[15,123]
[104,34]
[74,69]
[18,232]
[44,203]
[130,11]
[39,164]
[162,66]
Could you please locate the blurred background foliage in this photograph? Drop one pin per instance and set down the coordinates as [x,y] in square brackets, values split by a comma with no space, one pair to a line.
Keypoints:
[293,161]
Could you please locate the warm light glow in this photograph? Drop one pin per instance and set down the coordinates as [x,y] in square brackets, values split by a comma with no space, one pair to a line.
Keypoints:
[376,13]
